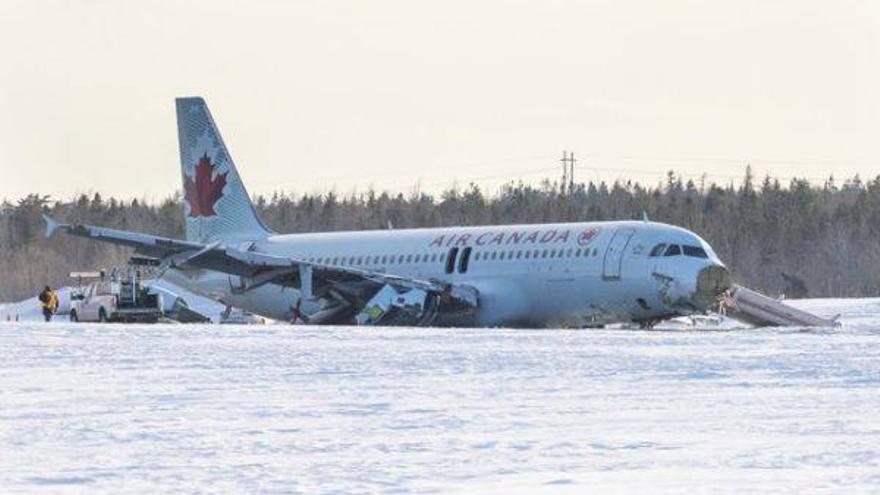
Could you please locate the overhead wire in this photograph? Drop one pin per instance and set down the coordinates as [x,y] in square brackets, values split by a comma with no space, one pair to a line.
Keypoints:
[410,178]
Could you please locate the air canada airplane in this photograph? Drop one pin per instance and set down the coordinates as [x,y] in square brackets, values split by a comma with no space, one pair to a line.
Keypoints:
[543,275]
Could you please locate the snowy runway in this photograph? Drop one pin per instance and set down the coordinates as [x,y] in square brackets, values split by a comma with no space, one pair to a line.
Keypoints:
[89,409]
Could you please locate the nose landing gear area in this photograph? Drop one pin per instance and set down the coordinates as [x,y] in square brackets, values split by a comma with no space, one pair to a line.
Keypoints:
[757,309]
[715,291]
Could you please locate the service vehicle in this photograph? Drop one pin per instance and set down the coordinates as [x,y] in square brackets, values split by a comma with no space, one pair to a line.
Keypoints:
[119,298]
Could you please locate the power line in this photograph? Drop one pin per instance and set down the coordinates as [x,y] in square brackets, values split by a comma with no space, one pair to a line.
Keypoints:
[408,171]
[405,177]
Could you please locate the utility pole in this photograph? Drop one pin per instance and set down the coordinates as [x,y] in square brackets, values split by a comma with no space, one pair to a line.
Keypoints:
[564,172]
[568,162]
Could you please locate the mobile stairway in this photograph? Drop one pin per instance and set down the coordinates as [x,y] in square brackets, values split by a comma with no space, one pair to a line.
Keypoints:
[757,309]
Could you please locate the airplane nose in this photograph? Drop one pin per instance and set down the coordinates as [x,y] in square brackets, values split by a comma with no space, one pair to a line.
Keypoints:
[711,282]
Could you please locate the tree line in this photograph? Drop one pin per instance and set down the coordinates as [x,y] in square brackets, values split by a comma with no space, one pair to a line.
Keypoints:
[797,238]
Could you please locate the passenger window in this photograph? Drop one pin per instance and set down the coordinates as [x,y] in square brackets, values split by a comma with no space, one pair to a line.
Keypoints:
[694,251]
[527,255]
[658,249]
[595,251]
[673,250]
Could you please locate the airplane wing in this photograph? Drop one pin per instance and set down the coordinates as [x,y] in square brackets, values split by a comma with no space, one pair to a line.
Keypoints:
[148,245]
[256,269]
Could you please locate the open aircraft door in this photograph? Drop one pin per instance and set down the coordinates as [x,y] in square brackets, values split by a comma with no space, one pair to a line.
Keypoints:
[613,260]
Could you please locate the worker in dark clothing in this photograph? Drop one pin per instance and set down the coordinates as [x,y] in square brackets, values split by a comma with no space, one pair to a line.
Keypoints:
[49,302]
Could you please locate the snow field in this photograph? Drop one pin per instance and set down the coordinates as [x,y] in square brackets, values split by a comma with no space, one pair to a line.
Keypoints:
[280,409]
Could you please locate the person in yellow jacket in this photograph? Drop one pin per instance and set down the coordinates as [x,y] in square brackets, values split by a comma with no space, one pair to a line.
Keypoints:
[49,302]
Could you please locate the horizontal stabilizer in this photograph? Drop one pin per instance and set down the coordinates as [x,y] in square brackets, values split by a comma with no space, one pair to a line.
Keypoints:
[51,225]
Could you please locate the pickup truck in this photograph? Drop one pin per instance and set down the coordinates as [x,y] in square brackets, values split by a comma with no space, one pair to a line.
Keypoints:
[122,301]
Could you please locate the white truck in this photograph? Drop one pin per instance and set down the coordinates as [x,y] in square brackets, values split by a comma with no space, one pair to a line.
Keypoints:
[119,298]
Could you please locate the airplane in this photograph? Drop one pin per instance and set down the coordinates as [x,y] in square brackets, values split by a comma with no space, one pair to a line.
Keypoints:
[572,275]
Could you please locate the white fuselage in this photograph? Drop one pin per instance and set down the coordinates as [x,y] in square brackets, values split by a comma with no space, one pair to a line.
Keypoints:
[571,274]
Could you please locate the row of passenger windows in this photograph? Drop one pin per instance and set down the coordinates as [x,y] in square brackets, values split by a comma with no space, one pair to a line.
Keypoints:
[663,249]
[388,259]
[536,253]
[391,259]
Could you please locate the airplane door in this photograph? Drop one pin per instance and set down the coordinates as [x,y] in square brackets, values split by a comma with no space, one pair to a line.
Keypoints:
[614,254]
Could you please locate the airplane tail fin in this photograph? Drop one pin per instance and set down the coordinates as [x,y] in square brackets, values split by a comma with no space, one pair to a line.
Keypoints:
[216,205]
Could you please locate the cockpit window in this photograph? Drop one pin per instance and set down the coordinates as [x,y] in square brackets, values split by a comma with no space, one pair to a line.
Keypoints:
[673,250]
[658,249]
[695,251]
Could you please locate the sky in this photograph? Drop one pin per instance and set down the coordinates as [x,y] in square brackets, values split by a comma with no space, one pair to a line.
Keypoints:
[348,95]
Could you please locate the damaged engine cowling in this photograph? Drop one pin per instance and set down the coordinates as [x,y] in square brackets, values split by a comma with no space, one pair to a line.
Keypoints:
[390,305]
[393,306]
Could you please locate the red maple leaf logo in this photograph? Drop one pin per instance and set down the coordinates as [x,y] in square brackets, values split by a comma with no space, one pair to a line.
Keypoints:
[203,191]
[587,236]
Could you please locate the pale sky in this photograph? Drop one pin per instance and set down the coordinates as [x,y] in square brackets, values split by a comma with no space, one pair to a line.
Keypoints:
[313,96]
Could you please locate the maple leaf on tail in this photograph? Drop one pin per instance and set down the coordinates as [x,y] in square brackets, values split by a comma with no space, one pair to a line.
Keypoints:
[202,191]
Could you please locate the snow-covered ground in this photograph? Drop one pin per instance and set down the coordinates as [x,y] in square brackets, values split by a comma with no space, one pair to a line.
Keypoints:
[279,409]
